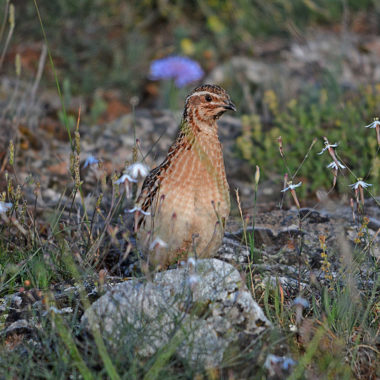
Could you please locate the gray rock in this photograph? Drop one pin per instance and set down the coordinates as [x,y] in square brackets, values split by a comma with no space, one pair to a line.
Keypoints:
[195,311]
[21,326]
[232,250]
[313,216]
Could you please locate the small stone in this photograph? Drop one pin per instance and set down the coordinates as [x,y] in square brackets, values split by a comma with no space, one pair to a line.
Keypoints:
[313,216]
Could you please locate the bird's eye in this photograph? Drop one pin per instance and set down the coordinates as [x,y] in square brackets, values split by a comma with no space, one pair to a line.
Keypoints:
[208,98]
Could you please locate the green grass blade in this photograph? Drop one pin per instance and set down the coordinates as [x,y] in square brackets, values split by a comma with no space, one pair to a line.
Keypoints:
[55,76]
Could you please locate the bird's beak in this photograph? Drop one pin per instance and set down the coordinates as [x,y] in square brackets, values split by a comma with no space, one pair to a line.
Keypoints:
[229,106]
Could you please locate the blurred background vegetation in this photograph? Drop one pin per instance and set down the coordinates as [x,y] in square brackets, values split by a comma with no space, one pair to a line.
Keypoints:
[110,43]
[102,50]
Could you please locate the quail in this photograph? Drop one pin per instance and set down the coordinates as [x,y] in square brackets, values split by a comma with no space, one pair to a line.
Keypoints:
[184,202]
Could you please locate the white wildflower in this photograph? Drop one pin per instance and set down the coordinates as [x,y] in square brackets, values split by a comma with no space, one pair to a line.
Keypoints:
[334,166]
[139,209]
[157,242]
[5,206]
[125,177]
[137,170]
[374,124]
[133,172]
[191,261]
[360,183]
[291,187]
[328,146]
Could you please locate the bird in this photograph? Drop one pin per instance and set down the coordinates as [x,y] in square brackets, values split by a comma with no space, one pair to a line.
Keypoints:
[184,202]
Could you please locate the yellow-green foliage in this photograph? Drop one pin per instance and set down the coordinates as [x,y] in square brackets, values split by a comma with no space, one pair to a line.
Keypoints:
[340,117]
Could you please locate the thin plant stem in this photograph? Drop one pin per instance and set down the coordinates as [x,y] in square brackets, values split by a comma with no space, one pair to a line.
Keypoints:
[10,34]
[65,119]
[4,22]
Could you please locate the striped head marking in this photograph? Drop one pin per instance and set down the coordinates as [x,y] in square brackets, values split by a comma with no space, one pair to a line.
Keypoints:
[207,103]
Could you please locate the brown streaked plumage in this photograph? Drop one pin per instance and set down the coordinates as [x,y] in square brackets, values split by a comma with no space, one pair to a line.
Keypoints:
[187,196]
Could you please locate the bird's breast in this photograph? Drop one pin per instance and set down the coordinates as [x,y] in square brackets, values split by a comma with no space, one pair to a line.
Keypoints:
[196,183]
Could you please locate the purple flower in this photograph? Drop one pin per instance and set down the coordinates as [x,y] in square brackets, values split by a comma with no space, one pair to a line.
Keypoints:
[4,207]
[299,301]
[183,70]
[276,364]
[90,160]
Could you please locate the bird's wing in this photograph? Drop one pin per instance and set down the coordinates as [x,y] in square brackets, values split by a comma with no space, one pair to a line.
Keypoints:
[150,188]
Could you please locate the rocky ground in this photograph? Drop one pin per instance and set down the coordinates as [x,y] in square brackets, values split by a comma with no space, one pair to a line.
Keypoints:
[209,301]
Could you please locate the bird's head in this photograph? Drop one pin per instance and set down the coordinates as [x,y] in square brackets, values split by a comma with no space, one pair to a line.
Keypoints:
[207,103]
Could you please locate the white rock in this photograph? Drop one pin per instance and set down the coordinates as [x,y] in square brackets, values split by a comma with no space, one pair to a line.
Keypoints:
[200,320]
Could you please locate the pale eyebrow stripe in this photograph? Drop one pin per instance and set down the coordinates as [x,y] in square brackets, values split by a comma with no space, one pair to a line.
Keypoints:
[198,93]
